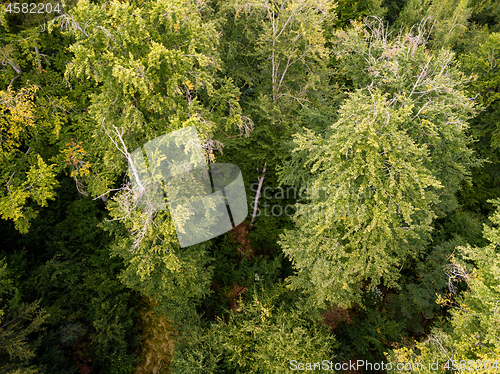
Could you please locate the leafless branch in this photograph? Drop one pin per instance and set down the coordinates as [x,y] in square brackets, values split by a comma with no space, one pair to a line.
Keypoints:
[261,180]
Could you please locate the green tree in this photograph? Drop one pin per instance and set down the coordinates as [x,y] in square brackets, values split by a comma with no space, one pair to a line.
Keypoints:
[276,54]
[25,174]
[387,167]
[470,338]
[18,320]
[37,113]
[264,335]
[356,10]
[446,21]
[481,61]
[63,264]
[290,43]
[156,67]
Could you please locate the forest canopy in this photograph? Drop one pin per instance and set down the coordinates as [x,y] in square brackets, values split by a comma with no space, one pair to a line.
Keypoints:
[366,138]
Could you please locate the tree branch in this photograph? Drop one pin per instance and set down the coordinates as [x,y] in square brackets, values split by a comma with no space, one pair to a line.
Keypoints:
[261,180]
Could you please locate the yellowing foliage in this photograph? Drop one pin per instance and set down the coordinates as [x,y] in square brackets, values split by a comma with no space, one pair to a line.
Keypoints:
[74,154]
[17,112]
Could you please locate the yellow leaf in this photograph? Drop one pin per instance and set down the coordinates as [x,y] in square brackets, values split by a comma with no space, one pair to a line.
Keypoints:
[189,85]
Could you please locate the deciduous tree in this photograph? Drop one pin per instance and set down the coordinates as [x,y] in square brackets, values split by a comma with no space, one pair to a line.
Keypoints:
[387,167]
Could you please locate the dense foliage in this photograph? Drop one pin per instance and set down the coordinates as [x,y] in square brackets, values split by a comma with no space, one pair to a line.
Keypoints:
[367,136]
